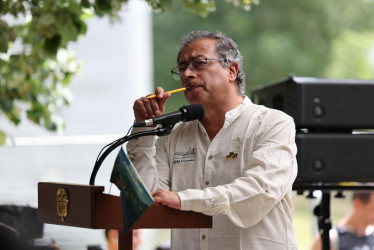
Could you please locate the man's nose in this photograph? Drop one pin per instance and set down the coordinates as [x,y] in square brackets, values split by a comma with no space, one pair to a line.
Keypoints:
[189,71]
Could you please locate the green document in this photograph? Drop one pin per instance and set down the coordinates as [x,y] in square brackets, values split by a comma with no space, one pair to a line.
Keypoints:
[135,197]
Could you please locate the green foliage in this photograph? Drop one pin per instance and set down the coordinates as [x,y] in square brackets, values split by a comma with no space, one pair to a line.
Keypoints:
[35,68]
[307,38]
[352,54]
[200,8]
[33,76]
[277,38]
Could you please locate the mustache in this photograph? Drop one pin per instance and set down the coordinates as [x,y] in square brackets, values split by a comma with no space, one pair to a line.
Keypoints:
[192,85]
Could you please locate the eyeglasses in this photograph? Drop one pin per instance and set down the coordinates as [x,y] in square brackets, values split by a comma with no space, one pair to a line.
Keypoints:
[196,64]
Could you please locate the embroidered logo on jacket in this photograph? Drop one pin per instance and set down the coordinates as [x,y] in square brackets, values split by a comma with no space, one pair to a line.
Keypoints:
[180,157]
[237,143]
[232,155]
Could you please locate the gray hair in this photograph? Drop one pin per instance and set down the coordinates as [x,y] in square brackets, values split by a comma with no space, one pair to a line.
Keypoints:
[226,48]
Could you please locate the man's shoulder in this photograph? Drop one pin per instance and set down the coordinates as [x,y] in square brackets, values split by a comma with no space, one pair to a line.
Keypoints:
[272,114]
[261,110]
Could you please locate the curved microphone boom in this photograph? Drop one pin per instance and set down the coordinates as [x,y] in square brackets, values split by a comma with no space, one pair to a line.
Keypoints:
[185,114]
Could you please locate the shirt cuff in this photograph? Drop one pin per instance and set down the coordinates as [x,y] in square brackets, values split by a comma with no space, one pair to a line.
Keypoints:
[191,200]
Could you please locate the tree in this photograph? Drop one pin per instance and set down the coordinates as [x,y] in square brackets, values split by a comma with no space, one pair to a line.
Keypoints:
[277,38]
[36,68]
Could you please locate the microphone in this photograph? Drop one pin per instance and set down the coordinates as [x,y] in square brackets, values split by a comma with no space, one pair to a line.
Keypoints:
[186,113]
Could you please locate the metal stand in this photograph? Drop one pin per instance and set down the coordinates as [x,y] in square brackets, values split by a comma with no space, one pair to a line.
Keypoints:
[322,211]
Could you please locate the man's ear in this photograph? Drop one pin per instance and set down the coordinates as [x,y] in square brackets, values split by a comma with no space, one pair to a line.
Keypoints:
[233,71]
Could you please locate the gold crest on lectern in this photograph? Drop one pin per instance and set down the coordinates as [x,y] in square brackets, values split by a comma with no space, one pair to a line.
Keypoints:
[62,198]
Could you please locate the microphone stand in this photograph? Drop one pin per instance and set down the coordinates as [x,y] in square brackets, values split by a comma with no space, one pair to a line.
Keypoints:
[165,130]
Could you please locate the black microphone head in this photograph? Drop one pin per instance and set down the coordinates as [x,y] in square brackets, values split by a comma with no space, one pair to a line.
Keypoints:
[192,112]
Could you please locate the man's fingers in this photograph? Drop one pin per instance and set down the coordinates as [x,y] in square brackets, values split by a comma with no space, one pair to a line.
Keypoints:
[167,198]
[155,107]
[159,92]
[145,108]
[140,109]
[158,197]
[162,101]
[148,108]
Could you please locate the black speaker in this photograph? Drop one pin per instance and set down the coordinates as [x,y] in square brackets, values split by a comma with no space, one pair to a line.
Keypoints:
[335,157]
[317,103]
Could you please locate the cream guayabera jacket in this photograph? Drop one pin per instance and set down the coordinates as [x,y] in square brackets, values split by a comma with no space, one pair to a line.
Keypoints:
[243,178]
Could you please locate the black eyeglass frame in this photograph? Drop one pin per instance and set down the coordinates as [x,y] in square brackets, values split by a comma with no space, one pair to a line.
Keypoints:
[176,73]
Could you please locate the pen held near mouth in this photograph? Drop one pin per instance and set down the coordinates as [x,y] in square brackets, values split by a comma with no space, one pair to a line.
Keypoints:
[171,92]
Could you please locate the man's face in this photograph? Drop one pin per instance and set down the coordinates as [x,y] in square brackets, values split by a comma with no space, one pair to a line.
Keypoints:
[209,83]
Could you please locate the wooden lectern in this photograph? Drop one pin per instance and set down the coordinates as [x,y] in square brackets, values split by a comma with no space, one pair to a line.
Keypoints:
[87,206]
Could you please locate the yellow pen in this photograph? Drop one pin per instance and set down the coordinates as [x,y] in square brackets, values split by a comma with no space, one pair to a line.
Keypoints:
[171,92]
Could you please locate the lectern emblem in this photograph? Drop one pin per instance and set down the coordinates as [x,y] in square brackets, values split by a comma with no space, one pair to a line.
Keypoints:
[62,198]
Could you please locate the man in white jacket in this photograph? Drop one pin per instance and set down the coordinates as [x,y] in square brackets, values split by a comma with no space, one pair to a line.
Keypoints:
[241,160]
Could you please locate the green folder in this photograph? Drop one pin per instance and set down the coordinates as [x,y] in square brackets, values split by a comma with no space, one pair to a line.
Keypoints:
[135,197]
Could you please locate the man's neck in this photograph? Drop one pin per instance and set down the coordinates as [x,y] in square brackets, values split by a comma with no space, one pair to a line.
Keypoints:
[214,117]
[354,224]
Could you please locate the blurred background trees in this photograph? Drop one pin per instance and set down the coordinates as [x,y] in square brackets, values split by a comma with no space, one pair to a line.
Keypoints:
[36,68]
[277,38]
[332,39]
[328,39]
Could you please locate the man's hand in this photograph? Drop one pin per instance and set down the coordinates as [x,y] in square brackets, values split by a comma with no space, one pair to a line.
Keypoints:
[167,198]
[145,108]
